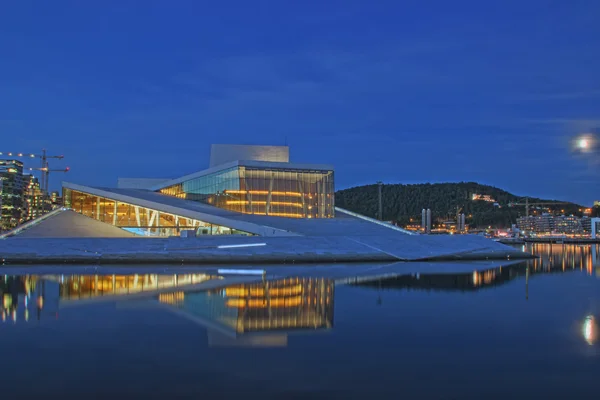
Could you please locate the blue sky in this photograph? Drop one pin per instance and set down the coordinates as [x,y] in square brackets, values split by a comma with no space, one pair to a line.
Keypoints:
[403,92]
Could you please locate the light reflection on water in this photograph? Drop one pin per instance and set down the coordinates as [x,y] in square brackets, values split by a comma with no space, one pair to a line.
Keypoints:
[523,306]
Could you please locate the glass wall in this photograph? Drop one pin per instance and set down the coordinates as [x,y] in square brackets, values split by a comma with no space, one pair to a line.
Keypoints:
[139,220]
[278,192]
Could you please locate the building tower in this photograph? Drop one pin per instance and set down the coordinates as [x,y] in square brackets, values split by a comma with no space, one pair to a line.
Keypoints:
[11,174]
[424,220]
[461,223]
[33,198]
[428,227]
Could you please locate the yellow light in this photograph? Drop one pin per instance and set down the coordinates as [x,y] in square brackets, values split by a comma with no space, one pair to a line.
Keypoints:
[286,203]
[262,303]
[236,303]
[235,292]
[475,278]
[266,192]
[274,203]
[287,215]
[7,301]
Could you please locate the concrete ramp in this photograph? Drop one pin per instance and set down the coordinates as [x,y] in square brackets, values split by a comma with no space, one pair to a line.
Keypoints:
[439,247]
[70,224]
[251,250]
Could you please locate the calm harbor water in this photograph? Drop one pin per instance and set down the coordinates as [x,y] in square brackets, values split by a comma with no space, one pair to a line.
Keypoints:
[527,330]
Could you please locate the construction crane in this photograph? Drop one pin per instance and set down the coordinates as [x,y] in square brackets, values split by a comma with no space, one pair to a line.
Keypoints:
[527,204]
[46,174]
[45,167]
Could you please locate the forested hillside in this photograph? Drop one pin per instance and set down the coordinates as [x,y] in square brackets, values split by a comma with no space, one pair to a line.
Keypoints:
[403,202]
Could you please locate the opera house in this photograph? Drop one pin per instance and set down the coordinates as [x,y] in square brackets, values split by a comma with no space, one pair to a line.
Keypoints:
[251,205]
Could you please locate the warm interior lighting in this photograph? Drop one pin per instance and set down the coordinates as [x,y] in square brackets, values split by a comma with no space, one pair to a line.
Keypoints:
[286,215]
[263,203]
[262,303]
[171,298]
[266,192]
[260,292]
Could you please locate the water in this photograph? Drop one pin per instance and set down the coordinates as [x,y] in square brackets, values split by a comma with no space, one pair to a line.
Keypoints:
[527,330]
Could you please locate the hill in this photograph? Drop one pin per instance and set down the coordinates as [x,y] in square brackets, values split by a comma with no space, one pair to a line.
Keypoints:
[403,202]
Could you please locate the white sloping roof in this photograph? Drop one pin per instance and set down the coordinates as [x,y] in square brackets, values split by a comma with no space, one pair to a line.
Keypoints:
[70,224]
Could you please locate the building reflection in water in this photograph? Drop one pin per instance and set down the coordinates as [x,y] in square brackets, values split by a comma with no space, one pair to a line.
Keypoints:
[255,314]
[264,313]
[553,259]
[77,287]
[565,257]
[282,306]
[24,297]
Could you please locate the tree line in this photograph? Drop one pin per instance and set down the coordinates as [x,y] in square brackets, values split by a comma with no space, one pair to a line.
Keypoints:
[403,203]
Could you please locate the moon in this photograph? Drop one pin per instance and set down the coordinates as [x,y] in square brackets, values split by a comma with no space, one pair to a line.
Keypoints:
[584,143]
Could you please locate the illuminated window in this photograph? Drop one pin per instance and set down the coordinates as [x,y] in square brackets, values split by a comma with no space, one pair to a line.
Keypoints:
[276,192]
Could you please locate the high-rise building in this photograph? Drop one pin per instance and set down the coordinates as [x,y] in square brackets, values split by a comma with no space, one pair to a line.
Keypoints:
[56,199]
[34,198]
[12,213]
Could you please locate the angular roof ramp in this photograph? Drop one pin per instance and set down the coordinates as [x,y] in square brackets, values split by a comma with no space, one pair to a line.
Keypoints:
[65,223]
[375,221]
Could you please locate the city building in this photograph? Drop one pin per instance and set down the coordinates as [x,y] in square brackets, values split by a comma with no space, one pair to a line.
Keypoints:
[462,226]
[567,224]
[428,221]
[594,227]
[482,197]
[13,205]
[551,224]
[34,199]
[56,200]
[586,224]
[256,180]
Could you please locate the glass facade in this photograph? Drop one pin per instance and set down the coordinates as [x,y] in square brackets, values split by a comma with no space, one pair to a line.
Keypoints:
[139,220]
[278,192]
